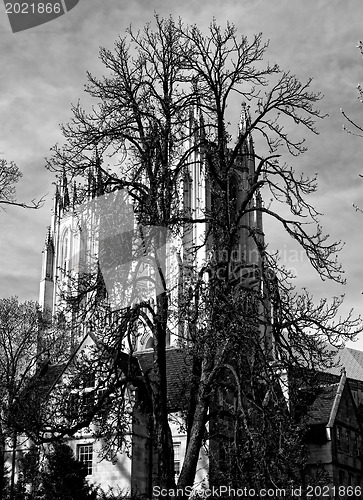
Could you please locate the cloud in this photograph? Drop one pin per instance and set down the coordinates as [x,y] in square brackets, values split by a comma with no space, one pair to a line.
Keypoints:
[44,70]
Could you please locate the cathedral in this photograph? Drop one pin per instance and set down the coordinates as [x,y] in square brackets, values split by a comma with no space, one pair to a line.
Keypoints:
[99,251]
[102,230]
[99,230]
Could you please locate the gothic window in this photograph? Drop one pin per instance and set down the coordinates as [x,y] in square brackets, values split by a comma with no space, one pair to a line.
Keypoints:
[65,253]
[188,189]
[85,456]
[233,186]
[83,247]
[150,343]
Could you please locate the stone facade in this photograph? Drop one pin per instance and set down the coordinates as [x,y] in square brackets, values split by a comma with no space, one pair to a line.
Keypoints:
[335,435]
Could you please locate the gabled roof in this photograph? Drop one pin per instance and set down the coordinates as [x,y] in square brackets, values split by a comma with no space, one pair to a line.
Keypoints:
[50,374]
[320,411]
[178,373]
[325,407]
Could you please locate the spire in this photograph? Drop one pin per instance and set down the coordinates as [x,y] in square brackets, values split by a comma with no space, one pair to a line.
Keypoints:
[90,186]
[74,195]
[94,186]
[245,139]
[244,125]
[201,122]
[259,220]
[99,180]
[196,118]
[56,201]
[60,202]
[46,282]
[48,255]
[196,121]
[49,238]
[244,120]
[65,192]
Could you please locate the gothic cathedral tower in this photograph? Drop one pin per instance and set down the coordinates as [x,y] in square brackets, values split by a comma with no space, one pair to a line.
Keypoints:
[66,246]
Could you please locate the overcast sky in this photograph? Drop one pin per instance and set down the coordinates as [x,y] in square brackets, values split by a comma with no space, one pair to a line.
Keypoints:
[43,70]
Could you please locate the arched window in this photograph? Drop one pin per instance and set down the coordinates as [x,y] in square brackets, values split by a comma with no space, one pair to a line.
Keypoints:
[150,343]
[233,192]
[65,253]
[188,193]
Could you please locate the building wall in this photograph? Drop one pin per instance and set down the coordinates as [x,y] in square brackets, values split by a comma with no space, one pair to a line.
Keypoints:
[106,474]
[320,453]
[341,455]
[177,427]
[141,457]
[348,448]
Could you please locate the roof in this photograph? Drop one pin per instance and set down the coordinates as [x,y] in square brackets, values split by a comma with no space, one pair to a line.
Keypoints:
[50,374]
[321,409]
[178,374]
[326,405]
[351,360]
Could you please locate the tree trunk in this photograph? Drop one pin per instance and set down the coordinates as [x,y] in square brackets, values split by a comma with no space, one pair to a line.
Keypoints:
[2,463]
[162,432]
[13,465]
[196,433]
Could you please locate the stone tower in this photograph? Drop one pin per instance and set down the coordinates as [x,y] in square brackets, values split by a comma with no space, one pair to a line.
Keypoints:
[68,246]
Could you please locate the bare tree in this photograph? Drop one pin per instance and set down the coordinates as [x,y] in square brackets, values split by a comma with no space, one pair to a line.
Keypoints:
[353,127]
[18,354]
[23,351]
[9,176]
[357,128]
[163,109]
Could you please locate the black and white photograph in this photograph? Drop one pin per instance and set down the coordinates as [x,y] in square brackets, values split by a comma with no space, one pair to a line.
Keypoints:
[181,234]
